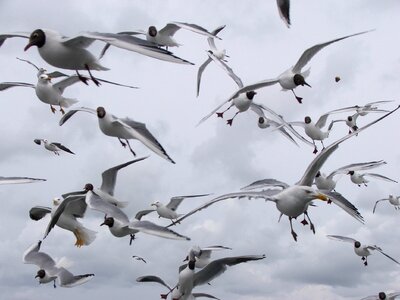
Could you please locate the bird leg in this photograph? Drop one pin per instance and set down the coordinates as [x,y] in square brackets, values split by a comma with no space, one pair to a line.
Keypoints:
[312,227]
[53,110]
[62,110]
[322,143]
[297,97]
[54,283]
[315,148]
[364,258]
[229,122]
[96,82]
[82,78]
[221,114]
[131,240]
[129,146]
[294,234]
[122,143]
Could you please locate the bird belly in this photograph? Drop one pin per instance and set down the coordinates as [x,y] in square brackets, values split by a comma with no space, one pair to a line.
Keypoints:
[286,81]
[314,133]
[362,251]
[325,183]
[47,94]
[291,208]
[242,103]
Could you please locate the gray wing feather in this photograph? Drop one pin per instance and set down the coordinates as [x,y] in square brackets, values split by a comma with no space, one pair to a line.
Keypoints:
[142,213]
[71,112]
[62,84]
[226,68]
[357,167]
[152,278]
[284,11]
[341,238]
[376,203]
[195,28]
[269,182]
[18,180]
[379,176]
[109,176]
[199,73]
[7,85]
[62,147]
[345,204]
[5,36]
[38,212]
[176,201]
[157,230]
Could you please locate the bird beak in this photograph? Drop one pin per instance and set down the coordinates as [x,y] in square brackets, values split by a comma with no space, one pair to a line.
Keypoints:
[307,84]
[36,276]
[27,46]
[153,204]
[186,259]
[322,197]
[104,223]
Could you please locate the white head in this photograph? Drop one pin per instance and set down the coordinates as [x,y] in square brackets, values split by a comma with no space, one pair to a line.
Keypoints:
[156,204]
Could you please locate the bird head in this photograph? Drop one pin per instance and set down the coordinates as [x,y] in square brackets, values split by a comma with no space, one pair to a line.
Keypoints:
[350,173]
[101,112]
[382,296]
[299,80]
[156,204]
[357,244]
[152,31]
[88,187]
[250,94]
[307,120]
[56,201]
[109,221]
[37,38]
[41,273]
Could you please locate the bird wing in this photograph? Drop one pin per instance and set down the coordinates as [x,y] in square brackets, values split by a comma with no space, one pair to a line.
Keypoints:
[219,266]
[66,82]
[204,295]
[214,111]
[62,147]
[376,203]
[157,230]
[5,36]
[109,176]
[284,11]
[383,253]
[379,176]
[195,28]
[199,73]
[104,50]
[16,180]
[152,278]
[373,297]
[255,86]
[210,40]
[357,167]
[71,112]
[38,212]
[67,279]
[170,29]
[7,85]
[226,68]
[310,52]
[319,160]
[40,259]
[77,209]
[265,194]
[140,132]
[142,213]
[127,42]
[322,121]
[341,238]
[344,204]
[176,201]
[269,182]
[94,201]
[393,295]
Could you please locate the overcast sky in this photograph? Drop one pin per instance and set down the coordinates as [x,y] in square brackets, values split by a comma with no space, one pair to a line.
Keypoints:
[212,158]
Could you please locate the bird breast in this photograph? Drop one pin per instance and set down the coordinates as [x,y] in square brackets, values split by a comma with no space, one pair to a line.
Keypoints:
[241,102]
[362,251]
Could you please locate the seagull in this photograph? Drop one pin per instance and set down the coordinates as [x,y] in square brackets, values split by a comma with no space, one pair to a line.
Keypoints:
[383,296]
[294,200]
[168,211]
[49,271]
[71,53]
[395,201]
[324,182]
[17,180]
[294,76]
[217,56]
[360,249]
[359,179]
[66,216]
[47,92]
[173,291]
[203,255]
[53,146]
[123,129]
[139,258]
[284,11]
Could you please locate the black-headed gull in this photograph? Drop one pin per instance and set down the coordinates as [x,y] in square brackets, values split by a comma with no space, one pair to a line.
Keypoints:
[71,53]
[294,200]
[53,146]
[359,179]
[383,296]
[327,182]
[294,76]
[49,270]
[361,250]
[203,255]
[393,200]
[168,210]
[123,129]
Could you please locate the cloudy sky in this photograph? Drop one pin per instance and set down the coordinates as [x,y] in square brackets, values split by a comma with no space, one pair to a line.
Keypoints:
[212,158]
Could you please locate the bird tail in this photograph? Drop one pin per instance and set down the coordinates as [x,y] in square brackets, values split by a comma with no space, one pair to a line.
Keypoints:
[84,236]
[67,102]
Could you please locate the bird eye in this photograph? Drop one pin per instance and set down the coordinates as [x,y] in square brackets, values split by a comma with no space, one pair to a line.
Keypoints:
[35,35]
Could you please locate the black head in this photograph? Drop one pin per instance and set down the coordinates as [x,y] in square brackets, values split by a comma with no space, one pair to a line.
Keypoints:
[250,95]
[41,273]
[191,264]
[298,79]
[108,221]
[37,38]
[357,244]
[318,174]
[382,296]
[307,120]
[349,118]
[88,187]
[101,112]
[261,120]
[152,31]
[350,173]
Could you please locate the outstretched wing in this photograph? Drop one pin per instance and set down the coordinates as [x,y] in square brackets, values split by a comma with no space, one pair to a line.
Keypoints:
[62,147]
[152,278]
[157,230]
[38,212]
[341,238]
[17,180]
[344,204]
[7,85]
[379,176]
[176,201]
[195,28]
[284,11]
[71,112]
[376,203]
